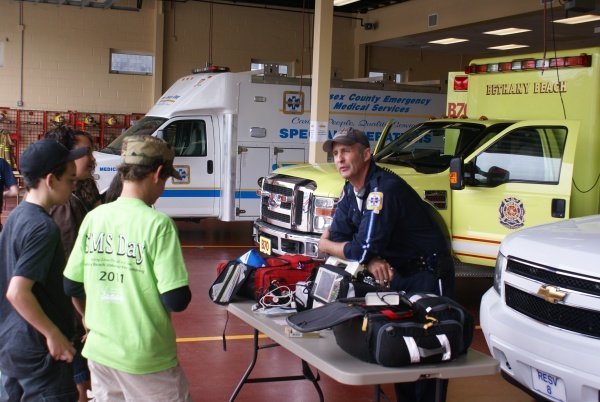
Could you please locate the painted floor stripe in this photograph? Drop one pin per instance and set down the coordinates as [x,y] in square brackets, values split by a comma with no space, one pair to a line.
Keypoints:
[218,338]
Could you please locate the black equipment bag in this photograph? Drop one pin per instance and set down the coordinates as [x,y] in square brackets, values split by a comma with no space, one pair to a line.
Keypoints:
[376,338]
[428,329]
[442,308]
[231,278]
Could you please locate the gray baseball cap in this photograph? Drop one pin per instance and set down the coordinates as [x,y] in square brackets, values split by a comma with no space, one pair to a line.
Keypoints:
[347,136]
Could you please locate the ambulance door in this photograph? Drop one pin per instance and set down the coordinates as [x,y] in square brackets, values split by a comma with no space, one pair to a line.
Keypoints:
[196,194]
[519,179]
[252,163]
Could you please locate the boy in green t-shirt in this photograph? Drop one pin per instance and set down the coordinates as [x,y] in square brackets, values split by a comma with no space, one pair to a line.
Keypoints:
[129,258]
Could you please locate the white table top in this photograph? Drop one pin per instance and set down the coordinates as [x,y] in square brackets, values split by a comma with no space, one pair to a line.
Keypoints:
[326,356]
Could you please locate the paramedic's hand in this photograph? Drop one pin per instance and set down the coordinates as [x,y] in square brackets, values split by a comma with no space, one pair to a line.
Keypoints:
[59,346]
[381,270]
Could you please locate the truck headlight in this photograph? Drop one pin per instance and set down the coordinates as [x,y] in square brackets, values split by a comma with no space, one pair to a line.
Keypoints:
[324,208]
[500,264]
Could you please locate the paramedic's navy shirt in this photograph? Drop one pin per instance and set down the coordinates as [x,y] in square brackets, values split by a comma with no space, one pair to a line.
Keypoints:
[401,231]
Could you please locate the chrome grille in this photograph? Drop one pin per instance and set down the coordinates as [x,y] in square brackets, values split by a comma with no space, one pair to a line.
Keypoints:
[269,215]
[271,188]
[285,202]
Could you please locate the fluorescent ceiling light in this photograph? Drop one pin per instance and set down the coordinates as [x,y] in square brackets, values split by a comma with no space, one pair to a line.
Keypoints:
[448,41]
[578,20]
[507,31]
[343,2]
[507,47]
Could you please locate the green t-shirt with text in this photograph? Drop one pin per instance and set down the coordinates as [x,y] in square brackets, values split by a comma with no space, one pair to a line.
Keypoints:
[127,254]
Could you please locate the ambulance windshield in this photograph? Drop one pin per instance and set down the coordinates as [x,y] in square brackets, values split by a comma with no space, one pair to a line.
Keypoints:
[428,147]
[146,126]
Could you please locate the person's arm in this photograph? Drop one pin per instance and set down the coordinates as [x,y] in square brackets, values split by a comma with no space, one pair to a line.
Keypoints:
[328,246]
[12,191]
[77,292]
[20,295]
[177,299]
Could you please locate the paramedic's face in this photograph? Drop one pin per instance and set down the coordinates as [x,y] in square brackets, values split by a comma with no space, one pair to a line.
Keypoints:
[352,162]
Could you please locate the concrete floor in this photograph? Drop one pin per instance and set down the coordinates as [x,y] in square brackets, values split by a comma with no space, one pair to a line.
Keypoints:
[213,373]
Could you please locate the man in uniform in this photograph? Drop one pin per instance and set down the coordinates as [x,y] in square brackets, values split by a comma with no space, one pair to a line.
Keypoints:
[381,222]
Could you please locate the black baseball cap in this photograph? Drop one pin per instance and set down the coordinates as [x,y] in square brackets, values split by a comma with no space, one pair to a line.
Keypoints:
[347,136]
[44,156]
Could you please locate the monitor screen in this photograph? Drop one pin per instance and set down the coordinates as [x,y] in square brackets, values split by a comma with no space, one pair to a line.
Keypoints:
[327,285]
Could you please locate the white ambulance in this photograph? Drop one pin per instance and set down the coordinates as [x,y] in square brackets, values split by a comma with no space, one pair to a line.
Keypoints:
[230,129]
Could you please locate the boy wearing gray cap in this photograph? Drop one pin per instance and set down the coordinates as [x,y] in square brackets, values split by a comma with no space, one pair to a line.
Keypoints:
[37,320]
[129,258]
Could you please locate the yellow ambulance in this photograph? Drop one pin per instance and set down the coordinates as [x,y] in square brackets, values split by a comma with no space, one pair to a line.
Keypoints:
[522,149]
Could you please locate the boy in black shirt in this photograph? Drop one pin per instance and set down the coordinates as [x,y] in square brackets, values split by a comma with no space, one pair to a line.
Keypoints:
[37,317]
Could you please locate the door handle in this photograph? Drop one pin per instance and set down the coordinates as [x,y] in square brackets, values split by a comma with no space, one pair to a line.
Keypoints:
[209,166]
[558,208]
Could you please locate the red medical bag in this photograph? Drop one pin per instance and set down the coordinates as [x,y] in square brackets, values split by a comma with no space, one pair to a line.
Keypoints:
[285,270]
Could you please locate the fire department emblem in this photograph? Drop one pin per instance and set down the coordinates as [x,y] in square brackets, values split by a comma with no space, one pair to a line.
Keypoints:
[512,213]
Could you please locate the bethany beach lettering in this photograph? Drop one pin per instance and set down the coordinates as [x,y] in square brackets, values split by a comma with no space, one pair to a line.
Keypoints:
[525,88]
[105,243]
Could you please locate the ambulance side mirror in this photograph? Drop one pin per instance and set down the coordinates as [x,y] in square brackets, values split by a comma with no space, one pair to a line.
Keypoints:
[457,168]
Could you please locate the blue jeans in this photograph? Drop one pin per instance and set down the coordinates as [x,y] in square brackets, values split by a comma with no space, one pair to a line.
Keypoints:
[55,384]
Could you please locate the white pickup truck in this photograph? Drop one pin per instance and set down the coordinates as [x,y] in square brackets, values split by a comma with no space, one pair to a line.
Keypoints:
[541,319]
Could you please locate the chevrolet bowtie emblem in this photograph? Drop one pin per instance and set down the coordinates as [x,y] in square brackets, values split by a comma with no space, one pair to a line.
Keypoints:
[551,293]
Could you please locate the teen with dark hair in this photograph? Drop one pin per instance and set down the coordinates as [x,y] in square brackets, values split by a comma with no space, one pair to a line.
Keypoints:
[37,317]
[68,217]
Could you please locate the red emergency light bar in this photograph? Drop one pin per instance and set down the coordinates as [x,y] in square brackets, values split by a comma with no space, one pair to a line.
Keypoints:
[211,69]
[583,60]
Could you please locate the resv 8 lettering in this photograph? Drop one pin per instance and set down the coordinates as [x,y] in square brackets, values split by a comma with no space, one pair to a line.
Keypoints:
[547,378]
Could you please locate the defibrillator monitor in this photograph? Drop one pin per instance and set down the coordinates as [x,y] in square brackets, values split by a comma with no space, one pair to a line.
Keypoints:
[326,287]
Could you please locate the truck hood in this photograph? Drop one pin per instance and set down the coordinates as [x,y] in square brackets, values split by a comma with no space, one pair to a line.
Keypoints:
[330,183]
[571,245]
